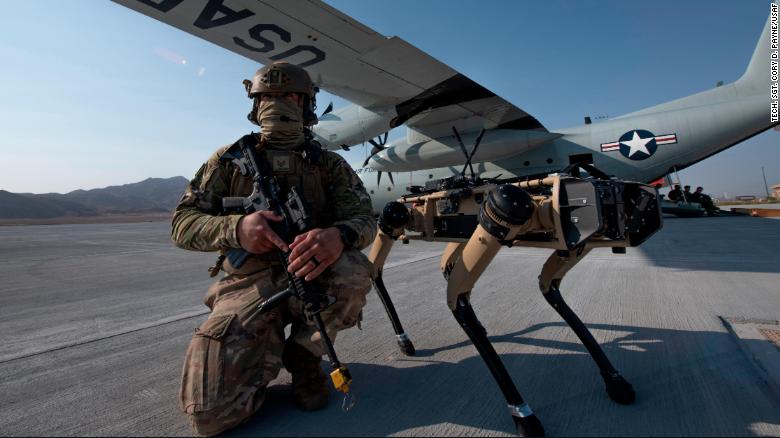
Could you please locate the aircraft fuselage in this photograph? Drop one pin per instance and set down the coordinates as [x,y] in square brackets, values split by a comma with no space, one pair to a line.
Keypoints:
[642,146]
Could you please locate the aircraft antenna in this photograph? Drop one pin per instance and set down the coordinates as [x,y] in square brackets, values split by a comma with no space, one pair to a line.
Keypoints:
[473,151]
[463,149]
[766,186]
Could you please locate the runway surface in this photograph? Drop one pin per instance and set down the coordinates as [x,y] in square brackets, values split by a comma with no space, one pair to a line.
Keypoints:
[95,320]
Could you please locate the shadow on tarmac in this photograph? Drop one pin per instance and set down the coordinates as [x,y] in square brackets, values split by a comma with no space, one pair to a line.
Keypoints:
[687,382]
[727,243]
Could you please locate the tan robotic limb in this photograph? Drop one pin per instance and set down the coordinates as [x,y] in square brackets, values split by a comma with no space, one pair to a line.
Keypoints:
[505,214]
[556,266]
[391,226]
[569,215]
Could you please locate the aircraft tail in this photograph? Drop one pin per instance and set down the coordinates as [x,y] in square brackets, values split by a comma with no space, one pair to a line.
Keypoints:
[756,78]
[755,81]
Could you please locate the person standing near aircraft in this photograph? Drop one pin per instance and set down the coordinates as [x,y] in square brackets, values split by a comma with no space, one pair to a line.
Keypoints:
[237,351]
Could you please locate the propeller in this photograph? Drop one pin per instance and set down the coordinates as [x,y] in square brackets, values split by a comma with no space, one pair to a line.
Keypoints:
[328,109]
[378,146]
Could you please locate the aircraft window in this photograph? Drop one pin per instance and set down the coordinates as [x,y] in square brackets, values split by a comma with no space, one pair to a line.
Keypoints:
[388,189]
[549,161]
[526,163]
[430,176]
[372,192]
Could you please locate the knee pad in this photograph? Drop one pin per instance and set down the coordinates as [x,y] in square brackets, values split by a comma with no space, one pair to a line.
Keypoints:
[352,271]
[205,423]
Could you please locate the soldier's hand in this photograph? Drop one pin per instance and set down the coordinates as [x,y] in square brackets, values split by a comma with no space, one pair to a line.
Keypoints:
[255,234]
[313,251]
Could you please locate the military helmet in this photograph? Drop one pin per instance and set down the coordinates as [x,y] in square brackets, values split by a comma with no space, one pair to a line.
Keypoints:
[283,77]
[280,77]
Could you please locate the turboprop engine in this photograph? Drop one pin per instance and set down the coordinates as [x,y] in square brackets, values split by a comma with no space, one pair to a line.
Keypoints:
[351,125]
[417,152]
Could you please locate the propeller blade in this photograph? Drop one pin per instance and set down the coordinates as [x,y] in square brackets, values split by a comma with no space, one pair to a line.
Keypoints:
[378,146]
[379,178]
[328,109]
[379,143]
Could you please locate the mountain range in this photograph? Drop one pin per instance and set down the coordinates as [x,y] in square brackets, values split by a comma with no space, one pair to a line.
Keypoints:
[150,196]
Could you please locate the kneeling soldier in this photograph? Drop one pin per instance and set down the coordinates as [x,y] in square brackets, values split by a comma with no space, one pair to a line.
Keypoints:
[236,353]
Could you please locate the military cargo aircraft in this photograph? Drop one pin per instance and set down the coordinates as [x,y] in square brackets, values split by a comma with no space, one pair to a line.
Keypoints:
[392,83]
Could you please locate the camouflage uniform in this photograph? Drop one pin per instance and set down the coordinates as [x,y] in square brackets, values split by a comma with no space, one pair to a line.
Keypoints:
[236,353]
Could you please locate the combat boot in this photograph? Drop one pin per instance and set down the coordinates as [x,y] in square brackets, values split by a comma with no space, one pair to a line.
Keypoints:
[309,383]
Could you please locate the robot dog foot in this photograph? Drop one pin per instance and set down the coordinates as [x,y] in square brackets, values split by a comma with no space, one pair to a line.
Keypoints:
[405,344]
[619,390]
[528,426]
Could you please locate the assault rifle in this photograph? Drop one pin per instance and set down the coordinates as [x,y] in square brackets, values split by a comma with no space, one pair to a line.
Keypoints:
[266,195]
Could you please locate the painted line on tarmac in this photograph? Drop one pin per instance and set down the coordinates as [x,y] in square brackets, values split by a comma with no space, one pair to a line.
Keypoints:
[422,257]
[169,320]
[158,323]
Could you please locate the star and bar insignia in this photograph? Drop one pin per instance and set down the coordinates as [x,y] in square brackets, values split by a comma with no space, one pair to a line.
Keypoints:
[639,144]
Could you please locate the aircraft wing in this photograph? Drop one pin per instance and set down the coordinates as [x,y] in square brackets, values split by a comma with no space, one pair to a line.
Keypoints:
[345,58]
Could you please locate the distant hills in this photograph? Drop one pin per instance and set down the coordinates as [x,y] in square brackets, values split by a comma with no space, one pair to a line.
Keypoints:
[150,196]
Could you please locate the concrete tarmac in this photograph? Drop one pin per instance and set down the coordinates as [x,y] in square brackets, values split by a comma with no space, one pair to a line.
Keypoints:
[95,320]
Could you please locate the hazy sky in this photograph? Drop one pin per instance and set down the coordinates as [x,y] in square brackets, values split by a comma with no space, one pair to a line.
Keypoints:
[94,94]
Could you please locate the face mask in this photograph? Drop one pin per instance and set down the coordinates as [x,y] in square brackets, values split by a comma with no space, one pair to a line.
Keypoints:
[281,122]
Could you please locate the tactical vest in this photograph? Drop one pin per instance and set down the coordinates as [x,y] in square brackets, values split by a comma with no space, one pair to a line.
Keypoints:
[290,169]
